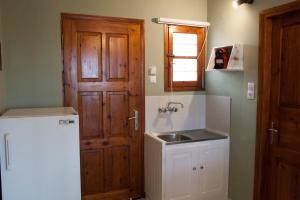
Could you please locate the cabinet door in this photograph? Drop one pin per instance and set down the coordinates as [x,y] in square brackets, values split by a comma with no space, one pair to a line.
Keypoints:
[213,165]
[181,173]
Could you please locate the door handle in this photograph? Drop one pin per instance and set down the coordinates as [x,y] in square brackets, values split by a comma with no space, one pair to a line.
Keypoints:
[273,131]
[7,140]
[136,119]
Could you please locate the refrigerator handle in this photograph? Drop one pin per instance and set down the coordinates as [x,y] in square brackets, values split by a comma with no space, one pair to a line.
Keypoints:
[7,140]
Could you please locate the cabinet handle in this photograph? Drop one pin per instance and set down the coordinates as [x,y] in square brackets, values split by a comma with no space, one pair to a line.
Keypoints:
[7,151]
[201,167]
[194,168]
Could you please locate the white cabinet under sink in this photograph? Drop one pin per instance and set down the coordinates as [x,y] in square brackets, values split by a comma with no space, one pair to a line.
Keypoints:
[181,173]
[188,171]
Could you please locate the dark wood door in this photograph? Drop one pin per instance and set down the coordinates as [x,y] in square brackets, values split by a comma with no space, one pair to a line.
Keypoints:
[104,81]
[281,111]
[285,108]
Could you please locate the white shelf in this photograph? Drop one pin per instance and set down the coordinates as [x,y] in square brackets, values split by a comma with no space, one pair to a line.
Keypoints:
[235,62]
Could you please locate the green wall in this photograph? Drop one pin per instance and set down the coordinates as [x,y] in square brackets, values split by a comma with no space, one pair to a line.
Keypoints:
[32,37]
[2,82]
[231,26]
[32,53]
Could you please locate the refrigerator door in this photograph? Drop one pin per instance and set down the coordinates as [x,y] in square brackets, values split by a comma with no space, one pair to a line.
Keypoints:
[40,158]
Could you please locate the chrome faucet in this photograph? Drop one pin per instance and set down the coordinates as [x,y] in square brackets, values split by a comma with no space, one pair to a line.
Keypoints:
[168,107]
[178,103]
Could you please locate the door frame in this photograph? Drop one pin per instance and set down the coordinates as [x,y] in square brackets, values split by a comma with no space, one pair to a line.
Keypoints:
[65,76]
[264,88]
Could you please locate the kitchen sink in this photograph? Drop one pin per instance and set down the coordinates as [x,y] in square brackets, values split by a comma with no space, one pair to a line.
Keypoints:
[173,137]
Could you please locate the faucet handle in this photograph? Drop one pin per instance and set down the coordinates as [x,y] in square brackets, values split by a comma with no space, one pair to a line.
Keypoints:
[162,110]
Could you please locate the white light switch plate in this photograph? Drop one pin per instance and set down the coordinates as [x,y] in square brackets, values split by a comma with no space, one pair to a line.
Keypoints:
[152,70]
[251,91]
[152,79]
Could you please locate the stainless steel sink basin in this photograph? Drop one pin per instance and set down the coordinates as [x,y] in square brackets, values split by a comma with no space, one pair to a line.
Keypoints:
[174,137]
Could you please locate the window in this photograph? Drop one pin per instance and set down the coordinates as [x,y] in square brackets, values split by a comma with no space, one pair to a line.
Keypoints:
[185,54]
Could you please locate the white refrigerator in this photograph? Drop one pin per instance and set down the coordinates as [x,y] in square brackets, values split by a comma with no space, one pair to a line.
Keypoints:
[40,155]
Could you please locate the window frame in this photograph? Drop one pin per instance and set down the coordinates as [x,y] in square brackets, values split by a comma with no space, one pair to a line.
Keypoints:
[198,85]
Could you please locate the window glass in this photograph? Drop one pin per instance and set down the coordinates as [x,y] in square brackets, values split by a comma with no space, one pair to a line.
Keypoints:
[184,70]
[184,44]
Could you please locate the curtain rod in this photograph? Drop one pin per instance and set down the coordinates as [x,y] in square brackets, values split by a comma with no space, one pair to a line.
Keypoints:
[160,20]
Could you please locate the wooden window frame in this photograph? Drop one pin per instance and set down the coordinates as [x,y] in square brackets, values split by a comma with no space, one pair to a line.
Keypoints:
[169,84]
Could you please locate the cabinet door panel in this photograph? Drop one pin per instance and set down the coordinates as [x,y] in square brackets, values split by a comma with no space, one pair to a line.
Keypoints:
[213,171]
[181,173]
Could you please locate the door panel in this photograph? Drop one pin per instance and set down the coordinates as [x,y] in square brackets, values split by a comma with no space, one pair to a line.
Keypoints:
[289,124]
[92,172]
[290,87]
[104,80]
[117,170]
[117,66]
[91,112]
[89,56]
[288,180]
[118,113]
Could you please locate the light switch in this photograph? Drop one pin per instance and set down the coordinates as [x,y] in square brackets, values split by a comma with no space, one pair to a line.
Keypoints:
[152,71]
[152,79]
[251,91]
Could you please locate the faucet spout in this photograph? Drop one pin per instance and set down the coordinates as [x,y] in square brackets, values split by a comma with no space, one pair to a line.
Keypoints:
[175,103]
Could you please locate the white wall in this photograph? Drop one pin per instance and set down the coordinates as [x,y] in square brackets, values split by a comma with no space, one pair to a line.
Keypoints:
[192,116]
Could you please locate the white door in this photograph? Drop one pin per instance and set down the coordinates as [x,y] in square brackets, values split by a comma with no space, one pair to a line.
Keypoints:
[181,172]
[213,165]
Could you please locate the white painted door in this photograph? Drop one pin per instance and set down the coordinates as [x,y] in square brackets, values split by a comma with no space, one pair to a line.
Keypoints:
[213,174]
[181,172]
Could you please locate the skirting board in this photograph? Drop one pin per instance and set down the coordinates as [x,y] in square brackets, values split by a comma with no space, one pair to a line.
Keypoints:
[150,199]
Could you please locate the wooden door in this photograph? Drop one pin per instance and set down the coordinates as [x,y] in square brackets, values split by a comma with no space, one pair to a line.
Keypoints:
[278,150]
[181,172]
[104,81]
